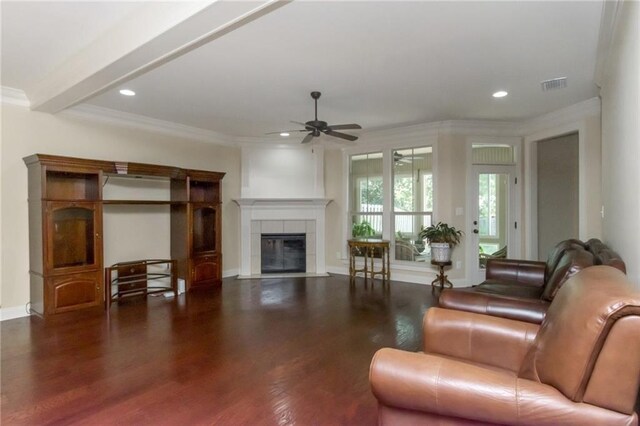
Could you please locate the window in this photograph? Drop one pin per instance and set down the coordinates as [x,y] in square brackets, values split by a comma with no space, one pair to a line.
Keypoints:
[412,201]
[366,194]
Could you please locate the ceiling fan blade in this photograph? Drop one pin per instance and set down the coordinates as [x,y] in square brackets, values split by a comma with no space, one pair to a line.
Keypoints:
[307,138]
[285,131]
[345,126]
[341,135]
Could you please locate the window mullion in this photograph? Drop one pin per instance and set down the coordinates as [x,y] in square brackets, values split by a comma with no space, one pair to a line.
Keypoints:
[387,194]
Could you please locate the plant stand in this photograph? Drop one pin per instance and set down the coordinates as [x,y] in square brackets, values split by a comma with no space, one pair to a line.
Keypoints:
[441,279]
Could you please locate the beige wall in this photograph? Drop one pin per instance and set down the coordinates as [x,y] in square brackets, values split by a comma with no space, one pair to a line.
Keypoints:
[25,133]
[334,188]
[620,93]
[450,183]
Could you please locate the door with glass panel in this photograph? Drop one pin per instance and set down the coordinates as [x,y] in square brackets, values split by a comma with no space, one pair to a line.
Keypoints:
[491,232]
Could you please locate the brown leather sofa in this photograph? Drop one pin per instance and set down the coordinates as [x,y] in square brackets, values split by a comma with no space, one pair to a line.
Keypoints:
[581,366]
[523,289]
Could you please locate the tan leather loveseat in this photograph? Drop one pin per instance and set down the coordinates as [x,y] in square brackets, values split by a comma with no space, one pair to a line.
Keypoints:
[581,366]
[523,289]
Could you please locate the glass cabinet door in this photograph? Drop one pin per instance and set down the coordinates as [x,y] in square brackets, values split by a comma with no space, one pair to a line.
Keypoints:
[204,229]
[72,236]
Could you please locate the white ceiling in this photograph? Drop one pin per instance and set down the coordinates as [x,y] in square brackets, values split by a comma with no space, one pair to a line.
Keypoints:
[380,64]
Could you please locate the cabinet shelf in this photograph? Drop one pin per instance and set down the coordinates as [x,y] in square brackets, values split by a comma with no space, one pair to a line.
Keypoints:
[144,202]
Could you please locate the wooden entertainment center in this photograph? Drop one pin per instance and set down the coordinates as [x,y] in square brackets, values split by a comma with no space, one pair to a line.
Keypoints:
[65,227]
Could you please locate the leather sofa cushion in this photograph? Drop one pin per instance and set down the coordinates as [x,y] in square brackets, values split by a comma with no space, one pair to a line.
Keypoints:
[508,288]
[556,254]
[572,262]
[604,255]
[609,257]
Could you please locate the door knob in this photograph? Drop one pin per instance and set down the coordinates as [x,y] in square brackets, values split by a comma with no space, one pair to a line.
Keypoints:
[475,231]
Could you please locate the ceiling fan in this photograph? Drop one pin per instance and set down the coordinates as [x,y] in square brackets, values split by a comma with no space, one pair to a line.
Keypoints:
[316,127]
[401,158]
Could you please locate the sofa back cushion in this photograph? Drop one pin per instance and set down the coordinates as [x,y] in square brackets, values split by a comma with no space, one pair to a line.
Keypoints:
[604,255]
[573,341]
[556,254]
[572,261]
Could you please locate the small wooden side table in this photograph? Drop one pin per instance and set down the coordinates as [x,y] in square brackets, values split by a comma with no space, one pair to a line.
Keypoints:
[441,279]
[366,247]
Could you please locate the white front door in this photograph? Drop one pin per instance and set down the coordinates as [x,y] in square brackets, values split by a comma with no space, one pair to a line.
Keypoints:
[491,227]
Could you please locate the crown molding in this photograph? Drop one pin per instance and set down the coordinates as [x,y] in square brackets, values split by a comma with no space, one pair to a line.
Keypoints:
[261,141]
[611,12]
[429,132]
[373,139]
[11,96]
[126,119]
[572,113]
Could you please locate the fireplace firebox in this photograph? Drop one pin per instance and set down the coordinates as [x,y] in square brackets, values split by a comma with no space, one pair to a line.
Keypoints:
[283,253]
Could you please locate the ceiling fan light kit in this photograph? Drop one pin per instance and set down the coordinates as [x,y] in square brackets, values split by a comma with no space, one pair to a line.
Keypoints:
[317,127]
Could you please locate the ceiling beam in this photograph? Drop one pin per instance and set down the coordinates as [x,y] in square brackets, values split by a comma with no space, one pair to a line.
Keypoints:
[154,35]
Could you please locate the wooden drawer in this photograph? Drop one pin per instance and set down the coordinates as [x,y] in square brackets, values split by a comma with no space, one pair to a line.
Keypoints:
[73,291]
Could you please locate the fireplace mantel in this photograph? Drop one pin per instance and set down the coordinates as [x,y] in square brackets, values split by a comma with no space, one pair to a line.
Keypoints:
[283,202]
[291,212]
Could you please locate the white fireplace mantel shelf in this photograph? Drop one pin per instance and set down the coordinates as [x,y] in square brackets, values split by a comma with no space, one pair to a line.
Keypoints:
[270,202]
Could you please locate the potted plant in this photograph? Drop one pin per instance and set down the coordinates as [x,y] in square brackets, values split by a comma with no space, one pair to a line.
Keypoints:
[442,238]
[362,230]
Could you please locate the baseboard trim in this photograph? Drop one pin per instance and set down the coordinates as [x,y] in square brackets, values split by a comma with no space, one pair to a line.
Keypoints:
[406,277]
[230,273]
[13,313]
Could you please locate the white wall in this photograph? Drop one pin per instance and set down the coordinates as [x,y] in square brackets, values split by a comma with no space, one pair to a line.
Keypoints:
[282,171]
[25,133]
[620,93]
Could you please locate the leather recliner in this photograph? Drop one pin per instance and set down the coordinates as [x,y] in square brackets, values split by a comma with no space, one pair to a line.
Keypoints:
[580,366]
[523,289]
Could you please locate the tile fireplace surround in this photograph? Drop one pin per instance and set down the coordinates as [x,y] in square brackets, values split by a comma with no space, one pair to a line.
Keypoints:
[281,216]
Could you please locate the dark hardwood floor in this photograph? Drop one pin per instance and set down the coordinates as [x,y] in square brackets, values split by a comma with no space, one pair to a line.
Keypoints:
[256,352]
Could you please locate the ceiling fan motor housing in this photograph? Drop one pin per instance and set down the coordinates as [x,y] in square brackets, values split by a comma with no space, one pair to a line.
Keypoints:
[316,125]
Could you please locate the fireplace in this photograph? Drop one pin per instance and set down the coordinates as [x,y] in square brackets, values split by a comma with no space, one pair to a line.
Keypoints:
[282,216]
[283,253]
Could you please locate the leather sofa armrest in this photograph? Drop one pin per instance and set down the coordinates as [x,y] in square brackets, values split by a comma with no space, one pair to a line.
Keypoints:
[447,387]
[517,271]
[516,308]
[494,341]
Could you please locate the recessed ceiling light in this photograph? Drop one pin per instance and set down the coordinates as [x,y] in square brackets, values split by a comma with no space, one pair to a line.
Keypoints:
[284,134]
[500,94]
[127,92]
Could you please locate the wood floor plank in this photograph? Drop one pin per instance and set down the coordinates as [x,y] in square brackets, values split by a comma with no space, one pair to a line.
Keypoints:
[254,352]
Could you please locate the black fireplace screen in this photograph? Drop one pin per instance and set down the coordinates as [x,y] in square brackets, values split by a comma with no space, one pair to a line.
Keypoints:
[283,253]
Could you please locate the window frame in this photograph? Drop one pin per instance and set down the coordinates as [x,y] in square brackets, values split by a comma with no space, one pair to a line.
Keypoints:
[415,213]
[386,145]
[350,201]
